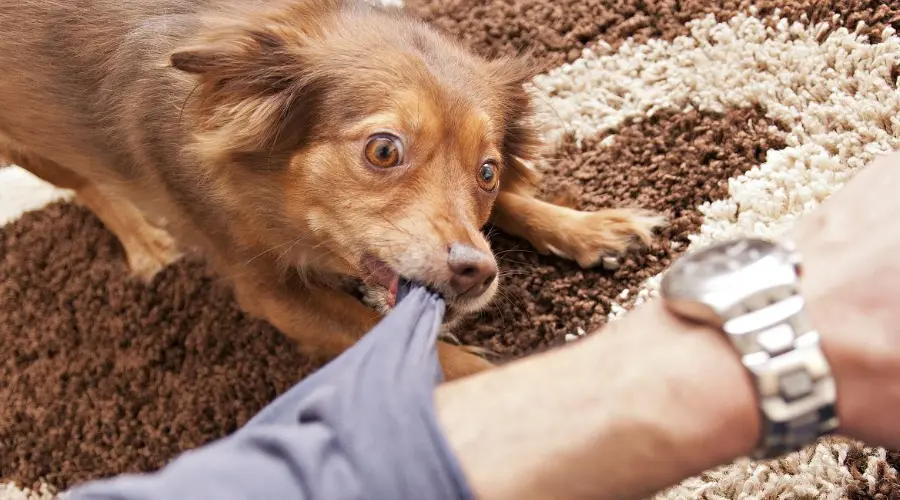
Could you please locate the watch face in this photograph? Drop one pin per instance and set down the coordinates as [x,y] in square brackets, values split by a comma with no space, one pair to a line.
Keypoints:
[725,278]
[724,258]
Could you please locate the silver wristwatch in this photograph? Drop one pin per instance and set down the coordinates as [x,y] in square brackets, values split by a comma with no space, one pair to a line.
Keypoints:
[748,288]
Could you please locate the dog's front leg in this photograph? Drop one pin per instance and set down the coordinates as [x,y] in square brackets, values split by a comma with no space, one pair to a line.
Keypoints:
[323,321]
[585,237]
[327,322]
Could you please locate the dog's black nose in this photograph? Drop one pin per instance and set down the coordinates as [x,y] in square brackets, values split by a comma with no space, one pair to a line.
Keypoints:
[473,270]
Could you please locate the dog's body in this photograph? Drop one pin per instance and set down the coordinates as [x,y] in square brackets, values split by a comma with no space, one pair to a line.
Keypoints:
[298,143]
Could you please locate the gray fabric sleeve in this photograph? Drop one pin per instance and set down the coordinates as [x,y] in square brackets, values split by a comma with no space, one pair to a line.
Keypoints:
[362,427]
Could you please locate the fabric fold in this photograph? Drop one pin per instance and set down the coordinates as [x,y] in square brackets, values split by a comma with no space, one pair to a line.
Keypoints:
[364,426]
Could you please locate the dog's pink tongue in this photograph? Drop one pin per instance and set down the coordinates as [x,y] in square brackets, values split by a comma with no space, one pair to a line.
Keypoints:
[383,275]
[395,284]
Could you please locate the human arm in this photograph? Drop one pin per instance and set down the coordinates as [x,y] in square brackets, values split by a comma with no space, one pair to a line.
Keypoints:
[583,422]
[362,427]
[646,402]
[615,415]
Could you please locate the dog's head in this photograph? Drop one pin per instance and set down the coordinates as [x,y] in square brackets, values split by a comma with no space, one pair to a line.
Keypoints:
[366,142]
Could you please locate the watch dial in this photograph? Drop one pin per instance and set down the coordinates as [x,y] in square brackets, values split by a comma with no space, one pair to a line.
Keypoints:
[724,257]
[721,280]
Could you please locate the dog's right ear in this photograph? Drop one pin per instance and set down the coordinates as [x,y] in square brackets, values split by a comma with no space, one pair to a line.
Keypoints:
[256,42]
[255,90]
[219,56]
[261,58]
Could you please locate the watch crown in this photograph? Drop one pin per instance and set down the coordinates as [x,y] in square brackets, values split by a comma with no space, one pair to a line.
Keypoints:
[794,258]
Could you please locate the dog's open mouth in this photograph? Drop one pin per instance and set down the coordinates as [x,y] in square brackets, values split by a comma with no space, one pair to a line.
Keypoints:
[378,288]
[382,275]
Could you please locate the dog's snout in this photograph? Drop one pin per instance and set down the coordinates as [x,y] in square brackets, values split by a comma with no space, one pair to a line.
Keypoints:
[473,270]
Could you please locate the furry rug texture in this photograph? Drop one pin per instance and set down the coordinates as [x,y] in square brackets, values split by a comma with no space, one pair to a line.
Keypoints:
[733,117]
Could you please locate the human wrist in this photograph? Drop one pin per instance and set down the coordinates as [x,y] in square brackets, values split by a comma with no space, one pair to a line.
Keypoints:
[712,411]
[648,392]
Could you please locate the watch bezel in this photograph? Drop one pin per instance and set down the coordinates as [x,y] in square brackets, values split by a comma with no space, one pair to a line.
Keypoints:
[757,304]
[732,292]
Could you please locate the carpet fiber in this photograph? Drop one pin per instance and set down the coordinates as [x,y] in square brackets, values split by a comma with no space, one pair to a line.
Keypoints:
[733,119]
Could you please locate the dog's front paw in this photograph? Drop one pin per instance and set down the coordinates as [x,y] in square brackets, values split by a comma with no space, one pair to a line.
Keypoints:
[148,250]
[590,237]
[460,361]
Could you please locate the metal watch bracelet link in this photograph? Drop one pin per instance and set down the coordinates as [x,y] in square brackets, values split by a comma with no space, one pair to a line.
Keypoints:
[795,386]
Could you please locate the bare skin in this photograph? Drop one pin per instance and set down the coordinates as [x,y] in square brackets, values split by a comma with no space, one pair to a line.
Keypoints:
[655,399]
[649,402]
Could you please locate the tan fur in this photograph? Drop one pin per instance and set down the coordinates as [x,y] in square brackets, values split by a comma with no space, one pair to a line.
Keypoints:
[237,126]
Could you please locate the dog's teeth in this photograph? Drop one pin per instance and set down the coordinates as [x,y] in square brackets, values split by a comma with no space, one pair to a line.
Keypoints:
[570,337]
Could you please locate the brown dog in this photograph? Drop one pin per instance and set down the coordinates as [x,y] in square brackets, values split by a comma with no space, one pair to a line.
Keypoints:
[301,144]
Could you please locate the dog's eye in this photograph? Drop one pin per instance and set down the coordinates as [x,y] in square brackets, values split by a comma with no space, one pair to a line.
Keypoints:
[384,151]
[487,176]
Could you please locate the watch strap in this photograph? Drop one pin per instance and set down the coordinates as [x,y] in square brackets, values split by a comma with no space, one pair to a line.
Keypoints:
[795,387]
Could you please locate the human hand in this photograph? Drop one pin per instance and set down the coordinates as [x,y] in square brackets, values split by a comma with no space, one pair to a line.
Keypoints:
[851,281]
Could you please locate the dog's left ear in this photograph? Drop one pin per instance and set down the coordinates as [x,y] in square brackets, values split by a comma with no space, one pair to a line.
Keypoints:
[511,73]
[522,141]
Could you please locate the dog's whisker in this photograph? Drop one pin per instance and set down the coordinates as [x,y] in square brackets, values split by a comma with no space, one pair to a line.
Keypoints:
[506,274]
[264,252]
[505,260]
[505,312]
[184,103]
[560,122]
[501,253]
